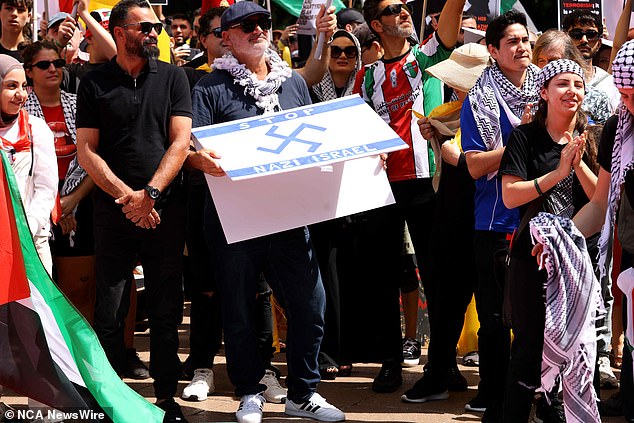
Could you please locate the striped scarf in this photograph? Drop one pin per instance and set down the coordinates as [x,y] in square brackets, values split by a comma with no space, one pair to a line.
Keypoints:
[493,90]
[573,300]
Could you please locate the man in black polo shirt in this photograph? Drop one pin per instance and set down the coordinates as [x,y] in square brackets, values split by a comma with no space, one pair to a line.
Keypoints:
[133,129]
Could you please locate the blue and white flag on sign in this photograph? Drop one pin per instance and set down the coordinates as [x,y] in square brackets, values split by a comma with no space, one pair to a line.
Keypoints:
[300,138]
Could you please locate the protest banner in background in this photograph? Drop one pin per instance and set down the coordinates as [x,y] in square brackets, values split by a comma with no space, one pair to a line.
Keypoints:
[296,167]
[568,6]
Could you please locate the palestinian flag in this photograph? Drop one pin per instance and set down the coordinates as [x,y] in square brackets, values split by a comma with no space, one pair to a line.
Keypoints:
[48,352]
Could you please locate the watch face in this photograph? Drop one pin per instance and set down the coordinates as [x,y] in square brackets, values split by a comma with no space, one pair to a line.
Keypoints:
[154,193]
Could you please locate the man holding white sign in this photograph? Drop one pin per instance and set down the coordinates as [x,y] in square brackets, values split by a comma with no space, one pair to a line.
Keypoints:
[252,80]
[394,86]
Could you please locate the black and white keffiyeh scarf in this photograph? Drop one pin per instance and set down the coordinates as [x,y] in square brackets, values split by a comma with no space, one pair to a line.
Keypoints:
[573,301]
[325,89]
[75,174]
[622,152]
[263,91]
[556,67]
[493,90]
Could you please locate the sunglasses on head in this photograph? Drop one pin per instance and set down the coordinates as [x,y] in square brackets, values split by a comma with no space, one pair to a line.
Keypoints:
[45,64]
[577,34]
[248,25]
[394,9]
[146,27]
[349,51]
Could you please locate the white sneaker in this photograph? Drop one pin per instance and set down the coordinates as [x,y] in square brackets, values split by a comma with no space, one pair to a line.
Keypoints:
[202,384]
[250,409]
[315,408]
[274,392]
[606,375]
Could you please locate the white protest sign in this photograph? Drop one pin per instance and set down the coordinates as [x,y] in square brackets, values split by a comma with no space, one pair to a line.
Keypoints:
[312,176]
[308,16]
[303,137]
[251,208]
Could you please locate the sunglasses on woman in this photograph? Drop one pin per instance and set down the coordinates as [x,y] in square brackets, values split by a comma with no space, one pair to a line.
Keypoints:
[248,26]
[45,64]
[217,32]
[394,9]
[577,34]
[147,27]
[349,51]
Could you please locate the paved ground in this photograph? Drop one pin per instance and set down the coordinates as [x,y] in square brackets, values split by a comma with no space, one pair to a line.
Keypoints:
[352,394]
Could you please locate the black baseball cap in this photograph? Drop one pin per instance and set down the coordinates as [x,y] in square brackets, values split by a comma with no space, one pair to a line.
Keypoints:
[347,16]
[239,11]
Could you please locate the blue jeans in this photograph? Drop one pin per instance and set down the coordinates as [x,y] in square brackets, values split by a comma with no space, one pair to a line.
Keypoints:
[288,262]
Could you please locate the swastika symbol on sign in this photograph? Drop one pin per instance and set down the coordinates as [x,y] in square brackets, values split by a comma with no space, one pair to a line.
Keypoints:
[292,137]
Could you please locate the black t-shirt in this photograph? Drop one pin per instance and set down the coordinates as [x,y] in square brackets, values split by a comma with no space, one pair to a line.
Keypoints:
[531,153]
[16,54]
[605,154]
[133,116]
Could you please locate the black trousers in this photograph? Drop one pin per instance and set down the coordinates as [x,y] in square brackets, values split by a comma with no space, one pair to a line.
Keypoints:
[494,339]
[453,268]
[119,244]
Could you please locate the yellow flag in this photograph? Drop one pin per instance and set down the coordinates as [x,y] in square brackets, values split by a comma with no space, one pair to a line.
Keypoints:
[163,39]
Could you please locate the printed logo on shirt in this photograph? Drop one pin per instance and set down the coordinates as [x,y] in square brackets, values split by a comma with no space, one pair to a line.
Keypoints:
[411,69]
[393,78]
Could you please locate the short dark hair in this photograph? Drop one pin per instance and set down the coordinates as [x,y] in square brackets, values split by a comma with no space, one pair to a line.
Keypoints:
[205,20]
[371,10]
[582,17]
[183,17]
[119,13]
[497,27]
[30,51]
[18,3]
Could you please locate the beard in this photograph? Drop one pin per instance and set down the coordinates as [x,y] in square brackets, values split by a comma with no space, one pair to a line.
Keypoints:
[145,49]
[398,31]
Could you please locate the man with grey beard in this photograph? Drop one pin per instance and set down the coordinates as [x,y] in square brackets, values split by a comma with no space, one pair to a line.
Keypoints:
[133,130]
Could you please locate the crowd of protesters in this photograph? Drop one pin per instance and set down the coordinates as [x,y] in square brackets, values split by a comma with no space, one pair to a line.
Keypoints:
[499,132]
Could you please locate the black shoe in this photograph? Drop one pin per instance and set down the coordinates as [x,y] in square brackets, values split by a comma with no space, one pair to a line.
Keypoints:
[411,352]
[478,404]
[173,413]
[389,378]
[549,413]
[456,382]
[427,388]
[135,369]
[611,407]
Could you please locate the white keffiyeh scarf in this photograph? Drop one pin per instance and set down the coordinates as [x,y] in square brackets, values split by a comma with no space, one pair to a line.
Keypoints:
[493,90]
[573,301]
[263,91]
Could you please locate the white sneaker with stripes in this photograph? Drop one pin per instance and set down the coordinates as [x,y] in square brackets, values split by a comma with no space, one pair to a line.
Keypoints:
[315,408]
[250,409]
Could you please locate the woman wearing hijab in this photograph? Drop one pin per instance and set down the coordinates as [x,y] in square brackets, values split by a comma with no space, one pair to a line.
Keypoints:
[28,142]
[72,243]
[541,164]
[345,62]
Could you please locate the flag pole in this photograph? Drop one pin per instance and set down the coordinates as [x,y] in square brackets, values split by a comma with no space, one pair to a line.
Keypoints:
[422,24]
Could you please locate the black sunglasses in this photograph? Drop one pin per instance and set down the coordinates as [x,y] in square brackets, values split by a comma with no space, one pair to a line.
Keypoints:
[248,25]
[394,9]
[217,32]
[45,64]
[147,27]
[349,51]
[577,34]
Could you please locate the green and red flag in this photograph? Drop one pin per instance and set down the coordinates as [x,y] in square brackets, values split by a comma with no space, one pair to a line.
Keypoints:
[48,351]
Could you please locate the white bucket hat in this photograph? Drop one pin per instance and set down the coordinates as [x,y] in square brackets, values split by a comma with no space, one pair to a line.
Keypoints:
[463,68]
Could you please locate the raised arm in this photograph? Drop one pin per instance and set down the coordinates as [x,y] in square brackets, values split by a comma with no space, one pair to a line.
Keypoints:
[449,22]
[100,35]
[314,70]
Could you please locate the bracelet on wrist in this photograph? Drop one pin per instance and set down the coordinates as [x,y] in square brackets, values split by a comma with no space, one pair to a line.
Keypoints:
[537,188]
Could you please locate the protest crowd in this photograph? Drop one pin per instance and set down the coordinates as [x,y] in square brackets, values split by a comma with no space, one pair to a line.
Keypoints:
[516,189]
